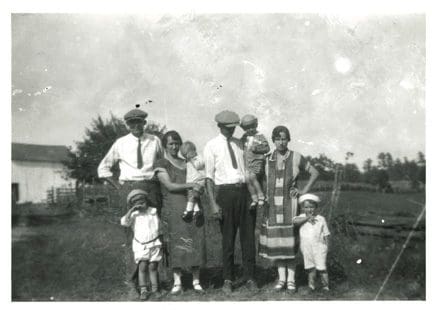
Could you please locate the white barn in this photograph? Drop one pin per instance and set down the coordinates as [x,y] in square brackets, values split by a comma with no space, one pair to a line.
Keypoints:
[36,169]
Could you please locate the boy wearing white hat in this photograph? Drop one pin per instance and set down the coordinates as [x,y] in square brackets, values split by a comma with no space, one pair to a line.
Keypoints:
[314,235]
[146,244]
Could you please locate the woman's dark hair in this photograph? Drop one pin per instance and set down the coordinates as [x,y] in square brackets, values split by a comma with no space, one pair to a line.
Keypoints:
[277,131]
[174,135]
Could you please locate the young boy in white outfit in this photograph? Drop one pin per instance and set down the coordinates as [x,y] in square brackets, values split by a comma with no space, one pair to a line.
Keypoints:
[314,238]
[194,174]
[146,244]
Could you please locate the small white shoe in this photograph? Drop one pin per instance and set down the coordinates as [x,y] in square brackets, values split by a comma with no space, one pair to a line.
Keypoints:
[177,289]
[198,288]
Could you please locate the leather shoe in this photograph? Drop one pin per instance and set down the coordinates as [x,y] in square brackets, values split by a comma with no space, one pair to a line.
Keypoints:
[251,285]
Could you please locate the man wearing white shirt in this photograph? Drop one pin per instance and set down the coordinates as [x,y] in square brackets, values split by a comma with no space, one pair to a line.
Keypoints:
[136,154]
[225,182]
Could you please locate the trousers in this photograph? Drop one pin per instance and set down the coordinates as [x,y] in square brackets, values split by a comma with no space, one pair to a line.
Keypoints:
[232,198]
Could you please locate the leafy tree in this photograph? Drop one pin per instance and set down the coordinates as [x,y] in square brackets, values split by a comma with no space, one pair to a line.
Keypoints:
[351,173]
[99,137]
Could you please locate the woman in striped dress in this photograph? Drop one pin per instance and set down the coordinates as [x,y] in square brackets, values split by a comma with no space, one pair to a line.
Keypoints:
[278,237]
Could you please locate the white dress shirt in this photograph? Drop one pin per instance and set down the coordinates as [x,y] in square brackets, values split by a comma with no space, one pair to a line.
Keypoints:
[124,151]
[218,165]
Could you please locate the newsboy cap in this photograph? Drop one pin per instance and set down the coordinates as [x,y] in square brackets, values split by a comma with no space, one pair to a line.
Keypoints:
[227,118]
[311,197]
[248,120]
[136,192]
[135,114]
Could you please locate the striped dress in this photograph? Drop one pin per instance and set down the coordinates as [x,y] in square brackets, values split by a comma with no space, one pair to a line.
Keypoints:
[278,236]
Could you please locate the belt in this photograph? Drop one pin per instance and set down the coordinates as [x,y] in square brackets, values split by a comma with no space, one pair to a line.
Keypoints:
[147,242]
[136,181]
[235,185]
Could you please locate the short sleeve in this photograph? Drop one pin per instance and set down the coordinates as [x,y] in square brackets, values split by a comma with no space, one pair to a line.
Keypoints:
[209,162]
[161,166]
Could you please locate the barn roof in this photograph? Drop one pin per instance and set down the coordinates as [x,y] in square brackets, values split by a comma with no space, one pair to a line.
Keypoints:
[37,152]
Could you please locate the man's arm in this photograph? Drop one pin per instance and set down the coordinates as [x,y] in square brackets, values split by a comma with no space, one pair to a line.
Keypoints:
[209,162]
[216,210]
[104,168]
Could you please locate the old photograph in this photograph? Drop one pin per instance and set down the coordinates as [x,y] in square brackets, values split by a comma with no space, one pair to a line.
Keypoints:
[218,156]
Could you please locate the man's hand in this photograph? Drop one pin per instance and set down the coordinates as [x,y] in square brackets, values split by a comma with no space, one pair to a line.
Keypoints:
[217,212]
[113,182]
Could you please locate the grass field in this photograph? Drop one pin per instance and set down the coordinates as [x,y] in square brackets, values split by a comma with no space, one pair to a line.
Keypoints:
[79,258]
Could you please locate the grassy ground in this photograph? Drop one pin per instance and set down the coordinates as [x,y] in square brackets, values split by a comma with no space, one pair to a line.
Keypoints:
[77,258]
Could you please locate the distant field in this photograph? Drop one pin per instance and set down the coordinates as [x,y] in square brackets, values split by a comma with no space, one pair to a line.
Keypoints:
[78,258]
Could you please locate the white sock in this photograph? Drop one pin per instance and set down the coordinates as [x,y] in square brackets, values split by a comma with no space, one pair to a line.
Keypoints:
[189,206]
[196,207]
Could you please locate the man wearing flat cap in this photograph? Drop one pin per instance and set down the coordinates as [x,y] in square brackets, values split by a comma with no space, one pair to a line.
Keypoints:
[225,182]
[136,154]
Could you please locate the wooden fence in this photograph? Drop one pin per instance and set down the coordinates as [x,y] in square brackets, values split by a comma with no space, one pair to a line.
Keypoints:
[61,196]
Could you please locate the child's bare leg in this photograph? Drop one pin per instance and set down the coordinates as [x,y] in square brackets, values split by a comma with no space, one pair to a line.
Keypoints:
[257,186]
[142,269]
[196,207]
[153,274]
[251,189]
[190,203]
[311,278]
[324,279]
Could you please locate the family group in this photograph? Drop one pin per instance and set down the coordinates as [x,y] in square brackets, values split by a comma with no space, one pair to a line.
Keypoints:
[166,178]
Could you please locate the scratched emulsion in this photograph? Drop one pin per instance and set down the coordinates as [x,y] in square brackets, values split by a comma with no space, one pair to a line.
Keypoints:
[339,83]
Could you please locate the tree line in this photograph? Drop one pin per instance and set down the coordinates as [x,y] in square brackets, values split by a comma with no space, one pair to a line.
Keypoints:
[100,135]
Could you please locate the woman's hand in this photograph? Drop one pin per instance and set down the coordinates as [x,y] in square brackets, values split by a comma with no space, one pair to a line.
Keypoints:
[198,188]
[295,192]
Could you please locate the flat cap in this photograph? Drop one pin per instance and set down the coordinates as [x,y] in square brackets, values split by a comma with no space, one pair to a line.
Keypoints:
[248,120]
[136,192]
[227,118]
[135,113]
[311,197]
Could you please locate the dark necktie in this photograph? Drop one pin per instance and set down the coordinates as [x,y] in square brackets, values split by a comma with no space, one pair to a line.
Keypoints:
[139,155]
[231,151]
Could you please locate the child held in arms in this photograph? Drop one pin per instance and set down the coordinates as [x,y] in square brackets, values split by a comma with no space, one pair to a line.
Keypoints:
[194,174]
[147,243]
[314,239]
[256,146]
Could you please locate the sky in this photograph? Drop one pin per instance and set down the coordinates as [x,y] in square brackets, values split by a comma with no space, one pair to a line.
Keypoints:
[340,84]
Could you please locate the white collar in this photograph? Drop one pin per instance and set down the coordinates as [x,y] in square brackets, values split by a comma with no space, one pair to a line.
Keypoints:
[144,135]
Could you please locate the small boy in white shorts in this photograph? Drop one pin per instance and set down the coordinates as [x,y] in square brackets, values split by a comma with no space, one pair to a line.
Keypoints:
[194,174]
[146,244]
[314,238]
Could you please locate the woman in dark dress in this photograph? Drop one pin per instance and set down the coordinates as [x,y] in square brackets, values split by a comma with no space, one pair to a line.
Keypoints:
[185,241]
